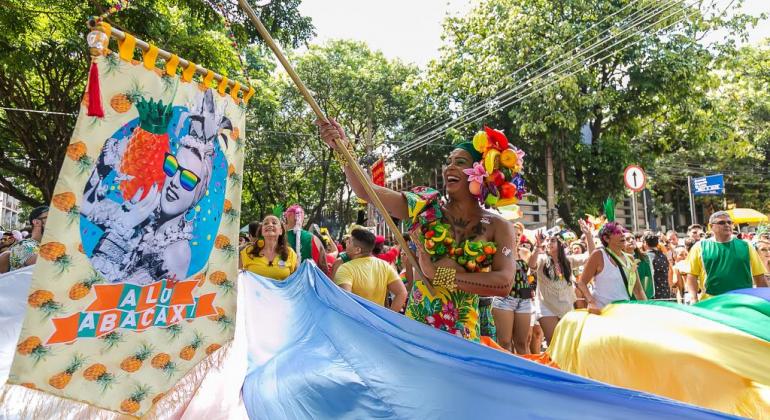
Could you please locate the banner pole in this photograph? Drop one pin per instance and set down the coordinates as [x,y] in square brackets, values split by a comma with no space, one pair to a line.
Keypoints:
[352,162]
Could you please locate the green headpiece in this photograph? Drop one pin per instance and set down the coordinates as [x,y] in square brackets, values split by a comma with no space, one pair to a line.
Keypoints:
[468,147]
[153,116]
[609,209]
[278,211]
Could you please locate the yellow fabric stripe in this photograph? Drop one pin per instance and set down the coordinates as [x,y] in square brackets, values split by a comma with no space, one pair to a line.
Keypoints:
[126,47]
[107,28]
[150,57]
[669,353]
[248,95]
[172,64]
[222,85]
[234,91]
[188,72]
[207,80]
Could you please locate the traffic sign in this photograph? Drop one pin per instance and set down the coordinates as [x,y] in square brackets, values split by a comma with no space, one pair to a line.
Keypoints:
[635,178]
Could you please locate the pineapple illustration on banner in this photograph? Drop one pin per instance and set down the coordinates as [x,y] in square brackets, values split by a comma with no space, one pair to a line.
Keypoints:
[144,212]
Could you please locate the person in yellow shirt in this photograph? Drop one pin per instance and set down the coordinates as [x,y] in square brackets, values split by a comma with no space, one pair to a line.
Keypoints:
[270,256]
[368,276]
[723,263]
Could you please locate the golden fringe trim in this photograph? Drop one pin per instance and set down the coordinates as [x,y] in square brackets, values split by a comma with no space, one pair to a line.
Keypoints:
[175,401]
[23,403]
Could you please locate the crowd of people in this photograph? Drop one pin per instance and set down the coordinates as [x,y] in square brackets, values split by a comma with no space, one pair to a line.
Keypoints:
[480,275]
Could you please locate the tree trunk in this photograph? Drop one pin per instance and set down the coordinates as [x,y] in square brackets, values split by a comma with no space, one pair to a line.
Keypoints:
[550,190]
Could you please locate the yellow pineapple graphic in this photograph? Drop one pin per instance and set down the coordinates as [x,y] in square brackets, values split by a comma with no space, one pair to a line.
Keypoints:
[56,253]
[62,379]
[44,301]
[212,348]
[188,351]
[134,362]
[173,330]
[77,151]
[230,214]
[221,318]
[98,373]
[65,202]
[111,339]
[223,243]
[32,346]
[162,361]
[122,102]
[133,402]
[220,279]
[80,290]
[233,176]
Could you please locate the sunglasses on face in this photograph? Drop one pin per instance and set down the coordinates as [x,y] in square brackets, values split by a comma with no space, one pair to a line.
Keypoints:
[723,223]
[187,178]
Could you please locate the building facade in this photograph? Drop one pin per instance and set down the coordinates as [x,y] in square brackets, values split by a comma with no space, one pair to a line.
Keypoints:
[10,208]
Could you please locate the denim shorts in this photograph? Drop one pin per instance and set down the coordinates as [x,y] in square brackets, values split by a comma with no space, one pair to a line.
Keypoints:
[513,304]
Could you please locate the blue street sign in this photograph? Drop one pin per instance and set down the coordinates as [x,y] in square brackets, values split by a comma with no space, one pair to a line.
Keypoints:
[708,185]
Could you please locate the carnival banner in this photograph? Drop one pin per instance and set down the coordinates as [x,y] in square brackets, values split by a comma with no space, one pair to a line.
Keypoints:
[134,285]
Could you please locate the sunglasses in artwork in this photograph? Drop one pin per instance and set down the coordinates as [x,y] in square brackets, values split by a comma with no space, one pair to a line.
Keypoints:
[187,178]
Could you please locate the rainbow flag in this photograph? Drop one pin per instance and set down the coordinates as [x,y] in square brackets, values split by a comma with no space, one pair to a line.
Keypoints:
[713,354]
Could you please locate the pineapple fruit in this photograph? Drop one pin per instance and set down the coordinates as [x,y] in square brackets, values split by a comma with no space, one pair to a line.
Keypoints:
[56,252]
[65,202]
[44,300]
[98,373]
[162,361]
[77,152]
[230,213]
[80,290]
[111,339]
[232,175]
[134,362]
[123,101]
[220,279]
[212,348]
[62,379]
[221,318]
[142,161]
[133,402]
[222,243]
[188,351]
[32,346]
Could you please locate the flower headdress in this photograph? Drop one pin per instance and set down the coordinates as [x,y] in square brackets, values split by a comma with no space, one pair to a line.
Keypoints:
[496,180]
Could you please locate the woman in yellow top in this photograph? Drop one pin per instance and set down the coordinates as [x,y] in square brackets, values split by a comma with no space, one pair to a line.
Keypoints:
[270,256]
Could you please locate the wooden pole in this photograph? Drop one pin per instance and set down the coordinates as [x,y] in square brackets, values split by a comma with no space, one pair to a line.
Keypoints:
[357,171]
[145,46]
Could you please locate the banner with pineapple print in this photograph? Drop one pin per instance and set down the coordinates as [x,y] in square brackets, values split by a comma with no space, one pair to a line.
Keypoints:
[134,284]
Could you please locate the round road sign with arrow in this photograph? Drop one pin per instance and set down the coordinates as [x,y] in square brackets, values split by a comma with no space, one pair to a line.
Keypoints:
[635,178]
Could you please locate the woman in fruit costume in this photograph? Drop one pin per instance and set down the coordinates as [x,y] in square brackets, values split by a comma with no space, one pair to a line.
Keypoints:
[464,250]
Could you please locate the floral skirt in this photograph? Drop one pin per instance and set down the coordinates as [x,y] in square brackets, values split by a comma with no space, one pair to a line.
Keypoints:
[454,312]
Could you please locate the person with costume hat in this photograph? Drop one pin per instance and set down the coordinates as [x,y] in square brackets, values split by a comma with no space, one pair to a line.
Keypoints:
[464,249]
[304,243]
[24,252]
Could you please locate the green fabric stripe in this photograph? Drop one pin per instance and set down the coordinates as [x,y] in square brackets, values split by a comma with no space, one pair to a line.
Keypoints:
[746,313]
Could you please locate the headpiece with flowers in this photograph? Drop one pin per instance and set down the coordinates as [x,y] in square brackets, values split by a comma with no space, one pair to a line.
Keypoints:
[496,179]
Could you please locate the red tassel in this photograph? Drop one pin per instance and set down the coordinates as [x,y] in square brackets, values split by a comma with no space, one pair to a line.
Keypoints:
[95,108]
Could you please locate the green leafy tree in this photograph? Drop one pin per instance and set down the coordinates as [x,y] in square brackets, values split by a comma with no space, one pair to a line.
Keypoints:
[611,91]
[363,91]
[44,63]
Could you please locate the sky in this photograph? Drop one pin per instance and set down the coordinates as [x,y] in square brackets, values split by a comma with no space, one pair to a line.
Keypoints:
[411,29]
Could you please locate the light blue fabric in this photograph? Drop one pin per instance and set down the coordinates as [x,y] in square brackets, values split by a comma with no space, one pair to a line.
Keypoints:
[317,352]
[14,289]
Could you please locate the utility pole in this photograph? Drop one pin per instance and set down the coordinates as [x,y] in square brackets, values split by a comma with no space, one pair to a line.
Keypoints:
[692,201]
[549,185]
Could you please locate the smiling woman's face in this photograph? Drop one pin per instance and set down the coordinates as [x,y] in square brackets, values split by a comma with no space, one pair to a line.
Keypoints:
[454,177]
[271,227]
[175,200]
